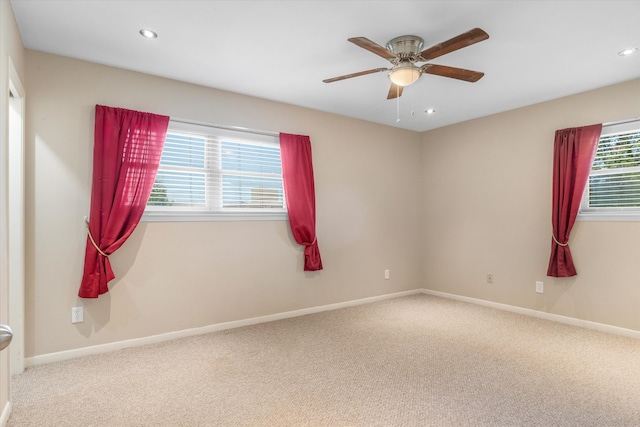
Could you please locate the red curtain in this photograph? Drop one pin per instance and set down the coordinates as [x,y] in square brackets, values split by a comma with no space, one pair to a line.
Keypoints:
[299,188]
[574,151]
[126,154]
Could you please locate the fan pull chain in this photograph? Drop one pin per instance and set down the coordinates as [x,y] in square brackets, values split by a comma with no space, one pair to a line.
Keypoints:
[397,104]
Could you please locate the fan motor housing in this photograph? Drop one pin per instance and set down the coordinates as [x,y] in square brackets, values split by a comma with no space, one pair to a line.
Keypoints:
[405,46]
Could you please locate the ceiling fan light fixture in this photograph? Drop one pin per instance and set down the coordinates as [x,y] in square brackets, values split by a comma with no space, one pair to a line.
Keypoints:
[404,74]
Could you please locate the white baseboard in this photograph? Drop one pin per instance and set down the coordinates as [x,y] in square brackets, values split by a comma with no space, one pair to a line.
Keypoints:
[541,314]
[119,345]
[4,416]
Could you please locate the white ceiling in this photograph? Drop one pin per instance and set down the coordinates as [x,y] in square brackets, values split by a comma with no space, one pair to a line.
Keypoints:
[282,50]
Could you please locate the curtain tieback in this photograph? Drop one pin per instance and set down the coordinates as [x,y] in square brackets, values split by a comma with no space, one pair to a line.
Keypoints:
[556,240]
[86,222]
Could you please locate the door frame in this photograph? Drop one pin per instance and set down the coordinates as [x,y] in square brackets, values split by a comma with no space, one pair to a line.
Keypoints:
[15,209]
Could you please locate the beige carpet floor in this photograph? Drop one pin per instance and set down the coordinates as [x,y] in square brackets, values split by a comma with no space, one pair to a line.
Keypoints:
[411,361]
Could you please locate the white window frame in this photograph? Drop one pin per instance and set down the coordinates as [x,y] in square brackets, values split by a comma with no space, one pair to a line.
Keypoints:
[587,213]
[214,134]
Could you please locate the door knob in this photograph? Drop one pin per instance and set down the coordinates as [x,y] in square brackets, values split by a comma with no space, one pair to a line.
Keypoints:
[5,336]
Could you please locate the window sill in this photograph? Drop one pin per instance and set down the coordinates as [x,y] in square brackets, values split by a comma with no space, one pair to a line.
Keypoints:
[213,216]
[608,216]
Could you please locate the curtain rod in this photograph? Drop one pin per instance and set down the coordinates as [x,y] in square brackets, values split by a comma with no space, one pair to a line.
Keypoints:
[235,128]
[621,122]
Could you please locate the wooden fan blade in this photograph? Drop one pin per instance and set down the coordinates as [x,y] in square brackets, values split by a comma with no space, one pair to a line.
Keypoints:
[463,40]
[361,73]
[395,91]
[452,72]
[365,43]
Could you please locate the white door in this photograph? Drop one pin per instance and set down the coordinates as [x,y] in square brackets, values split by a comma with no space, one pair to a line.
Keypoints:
[11,233]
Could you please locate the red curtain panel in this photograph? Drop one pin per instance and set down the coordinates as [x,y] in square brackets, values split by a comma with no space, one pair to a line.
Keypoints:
[574,151]
[126,154]
[299,188]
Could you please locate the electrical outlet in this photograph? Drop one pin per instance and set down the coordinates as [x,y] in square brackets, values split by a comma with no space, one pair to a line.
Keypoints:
[489,277]
[386,275]
[77,315]
[540,287]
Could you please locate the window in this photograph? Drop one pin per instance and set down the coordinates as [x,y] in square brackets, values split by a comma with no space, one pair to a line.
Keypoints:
[212,173]
[613,189]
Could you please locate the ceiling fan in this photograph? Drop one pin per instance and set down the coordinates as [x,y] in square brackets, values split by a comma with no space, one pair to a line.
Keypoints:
[404,51]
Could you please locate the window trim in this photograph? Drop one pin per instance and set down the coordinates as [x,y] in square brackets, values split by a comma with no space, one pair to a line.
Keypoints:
[205,216]
[611,213]
[229,214]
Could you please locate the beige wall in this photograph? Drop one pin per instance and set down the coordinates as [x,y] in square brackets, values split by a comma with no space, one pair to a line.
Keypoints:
[485,208]
[173,276]
[487,189]
[11,49]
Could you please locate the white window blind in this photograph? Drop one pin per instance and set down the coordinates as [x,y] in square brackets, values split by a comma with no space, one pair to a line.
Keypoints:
[209,173]
[613,188]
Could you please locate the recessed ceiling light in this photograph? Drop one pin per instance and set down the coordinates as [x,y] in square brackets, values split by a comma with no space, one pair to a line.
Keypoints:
[430,110]
[148,33]
[628,52]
